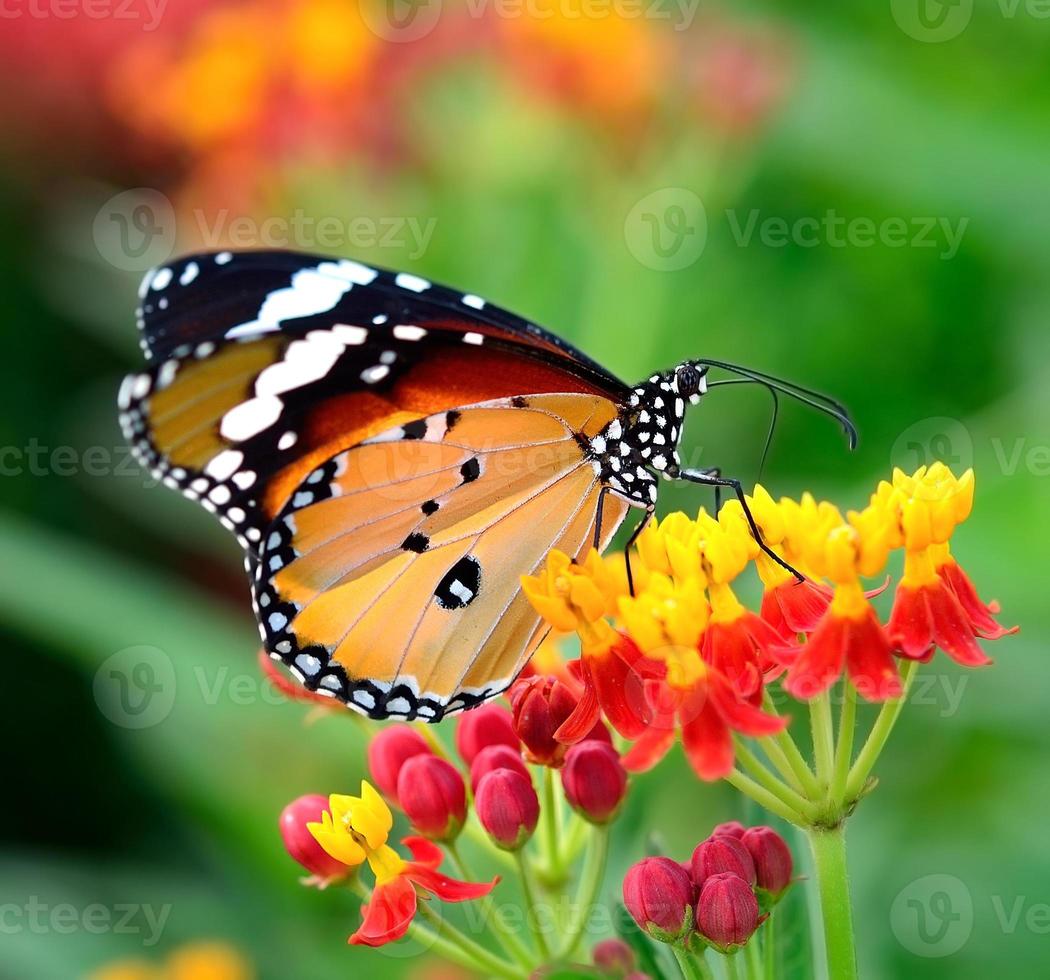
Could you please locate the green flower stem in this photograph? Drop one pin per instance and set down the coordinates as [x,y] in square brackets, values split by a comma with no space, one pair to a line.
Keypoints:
[770,948]
[732,973]
[588,890]
[792,752]
[779,759]
[454,945]
[531,916]
[553,873]
[768,781]
[880,732]
[829,858]
[754,960]
[692,968]
[490,915]
[763,797]
[575,838]
[823,737]
[844,745]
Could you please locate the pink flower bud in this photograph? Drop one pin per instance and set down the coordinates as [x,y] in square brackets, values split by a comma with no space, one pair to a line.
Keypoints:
[301,844]
[433,796]
[727,911]
[496,757]
[719,854]
[507,807]
[613,957]
[541,705]
[595,781]
[731,828]
[658,893]
[771,857]
[491,724]
[389,751]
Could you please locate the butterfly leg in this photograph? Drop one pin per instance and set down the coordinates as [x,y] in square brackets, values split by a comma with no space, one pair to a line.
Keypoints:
[642,524]
[704,477]
[598,519]
[715,471]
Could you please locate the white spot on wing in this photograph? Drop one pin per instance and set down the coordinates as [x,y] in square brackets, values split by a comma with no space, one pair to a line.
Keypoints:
[415,283]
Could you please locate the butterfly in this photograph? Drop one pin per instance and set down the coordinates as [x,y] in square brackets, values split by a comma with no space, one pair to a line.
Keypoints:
[392,456]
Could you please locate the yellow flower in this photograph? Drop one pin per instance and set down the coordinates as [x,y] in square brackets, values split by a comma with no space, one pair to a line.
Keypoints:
[208,961]
[932,504]
[666,614]
[355,828]
[574,597]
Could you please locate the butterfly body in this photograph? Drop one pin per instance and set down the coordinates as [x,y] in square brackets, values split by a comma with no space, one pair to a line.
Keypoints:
[392,455]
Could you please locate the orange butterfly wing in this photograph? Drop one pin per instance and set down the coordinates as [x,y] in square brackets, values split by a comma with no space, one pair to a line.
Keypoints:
[391,580]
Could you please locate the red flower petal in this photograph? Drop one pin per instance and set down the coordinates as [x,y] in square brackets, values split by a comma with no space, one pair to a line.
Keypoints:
[980,613]
[584,717]
[618,677]
[911,624]
[650,748]
[424,852]
[729,648]
[932,615]
[738,713]
[795,607]
[819,663]
[446,888]
[708,742]
[869,660]
[388,915]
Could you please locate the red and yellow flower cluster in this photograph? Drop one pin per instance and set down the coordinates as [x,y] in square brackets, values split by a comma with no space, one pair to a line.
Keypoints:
[332,838]
[683,655]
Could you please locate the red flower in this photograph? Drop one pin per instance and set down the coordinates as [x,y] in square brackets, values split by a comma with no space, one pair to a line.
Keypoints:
[613,686]
[659,895]
[507,807]
[389,912]
[541,705]
[303,846]
[718,854]
[772,859]
[727,912]
[794,607]
[742,649]
[392,747]
[496,757]
[849,636]
[432,794]
[708,711]
[981,614]
[930,615]
[491,724]
[595,781]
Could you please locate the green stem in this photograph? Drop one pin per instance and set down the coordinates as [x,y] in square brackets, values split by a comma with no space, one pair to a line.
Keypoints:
[477,834]
[844,744]
[588,891]
[823,737]
[690,967]
[779,759]
[754,959]
[767,780]
[880,732]
[763,797]
[553,872]
[490,914]
[769,946]
[732,973]
[531,909]
[829,859]
[792,752]
[451,941]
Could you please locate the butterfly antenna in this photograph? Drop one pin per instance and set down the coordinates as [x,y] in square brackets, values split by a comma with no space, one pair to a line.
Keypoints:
[814,399]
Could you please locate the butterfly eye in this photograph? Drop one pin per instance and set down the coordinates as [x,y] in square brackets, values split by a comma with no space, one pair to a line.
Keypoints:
[688,380]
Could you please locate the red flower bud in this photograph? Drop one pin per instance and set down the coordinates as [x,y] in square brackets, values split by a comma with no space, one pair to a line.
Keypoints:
[727,911]
[433,796]
[719,854]
[507,807]
[771,857]
[541,705]
[301,844]
[595,781]
[613,957]
[496,757]
[731,828]
[389,751]
[491,724]
[658,893]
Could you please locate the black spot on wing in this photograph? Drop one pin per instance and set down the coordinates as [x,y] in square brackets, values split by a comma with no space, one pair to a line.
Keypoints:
[416,542]
[415,430]
[430,507]
[460,585]
[470,470]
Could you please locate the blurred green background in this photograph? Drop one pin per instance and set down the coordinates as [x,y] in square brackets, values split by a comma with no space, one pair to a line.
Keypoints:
[854,197]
